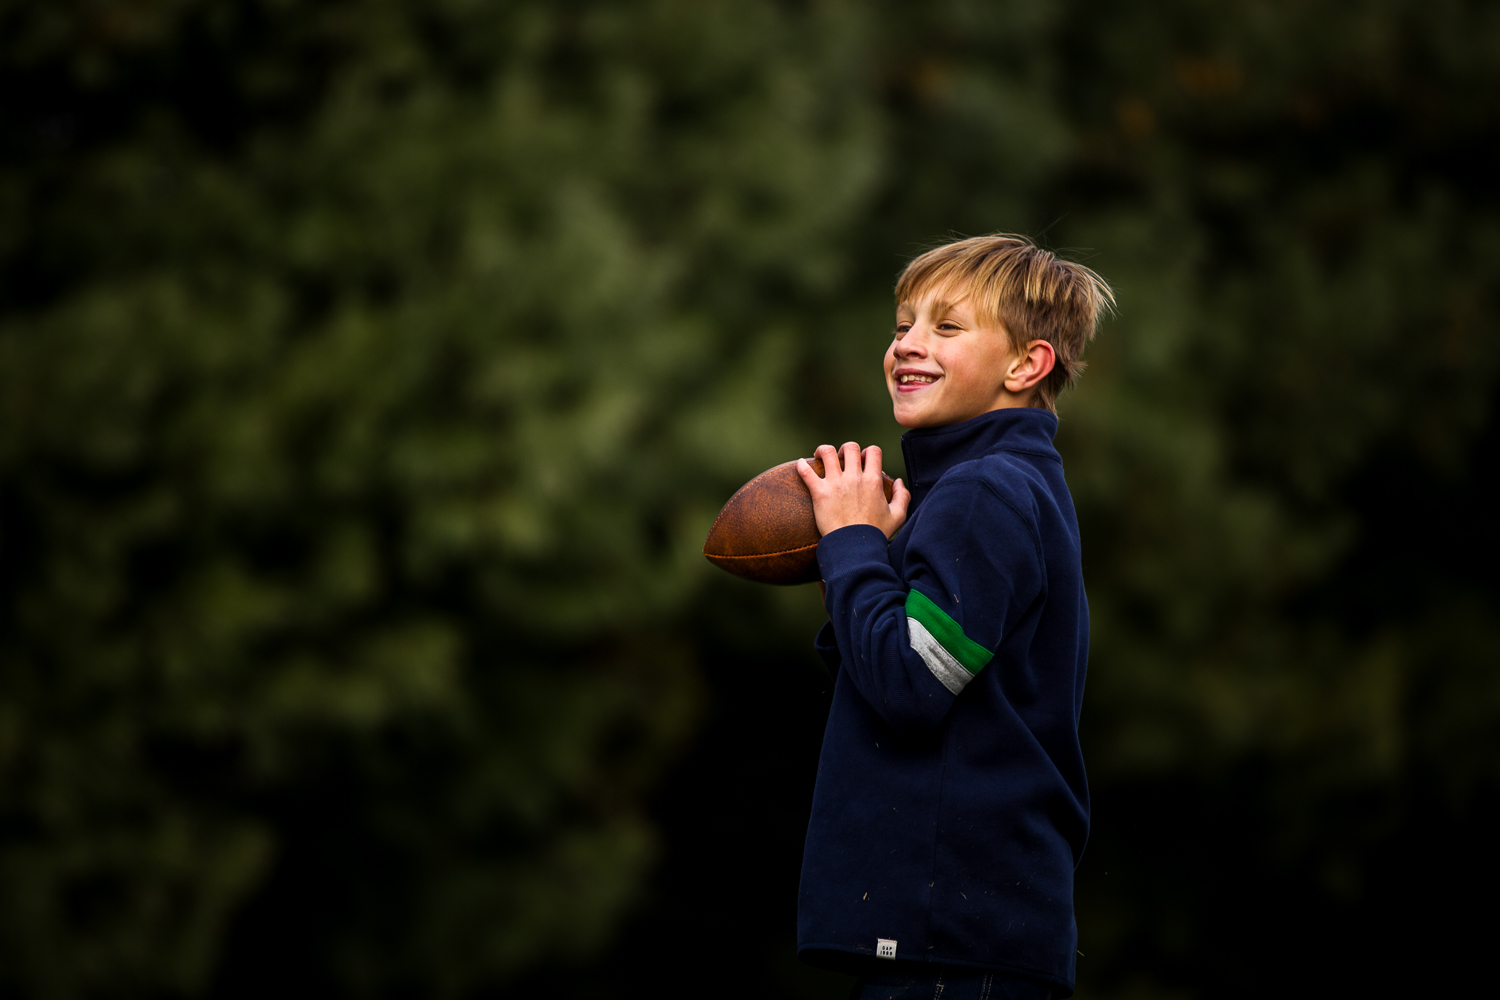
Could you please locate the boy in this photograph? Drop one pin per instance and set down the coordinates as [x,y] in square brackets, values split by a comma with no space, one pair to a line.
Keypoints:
[951,806]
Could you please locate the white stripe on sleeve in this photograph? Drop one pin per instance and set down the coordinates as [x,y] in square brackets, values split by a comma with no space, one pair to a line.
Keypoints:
[949,672]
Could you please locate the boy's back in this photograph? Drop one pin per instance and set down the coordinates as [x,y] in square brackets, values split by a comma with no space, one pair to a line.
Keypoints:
[951,805]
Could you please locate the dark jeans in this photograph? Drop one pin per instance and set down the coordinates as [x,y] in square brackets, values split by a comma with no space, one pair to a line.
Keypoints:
[914,981]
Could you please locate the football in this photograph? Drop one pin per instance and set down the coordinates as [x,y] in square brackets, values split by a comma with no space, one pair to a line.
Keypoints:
[766,532]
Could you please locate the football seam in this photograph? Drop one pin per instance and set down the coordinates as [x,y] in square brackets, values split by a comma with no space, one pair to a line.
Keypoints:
[763,555]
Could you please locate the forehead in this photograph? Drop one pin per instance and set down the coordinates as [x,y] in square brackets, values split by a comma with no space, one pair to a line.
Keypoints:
[938,299]
[947,282]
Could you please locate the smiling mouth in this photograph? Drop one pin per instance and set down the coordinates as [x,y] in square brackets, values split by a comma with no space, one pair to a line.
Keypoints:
[914,380]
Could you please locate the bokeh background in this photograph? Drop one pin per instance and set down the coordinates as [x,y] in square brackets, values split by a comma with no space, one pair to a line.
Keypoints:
[370,371]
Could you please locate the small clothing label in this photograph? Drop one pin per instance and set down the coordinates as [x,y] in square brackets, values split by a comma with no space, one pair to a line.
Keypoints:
[885,948]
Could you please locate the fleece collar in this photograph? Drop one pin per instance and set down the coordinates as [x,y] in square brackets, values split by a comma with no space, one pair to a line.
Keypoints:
[932,451]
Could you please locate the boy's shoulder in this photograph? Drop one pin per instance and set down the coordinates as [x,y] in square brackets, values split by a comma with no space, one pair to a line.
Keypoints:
[1021,479]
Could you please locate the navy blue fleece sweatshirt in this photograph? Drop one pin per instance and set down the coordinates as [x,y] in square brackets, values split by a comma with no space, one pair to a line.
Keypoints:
[951,806]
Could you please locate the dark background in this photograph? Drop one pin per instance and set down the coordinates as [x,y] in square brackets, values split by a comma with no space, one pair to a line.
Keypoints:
[370,372]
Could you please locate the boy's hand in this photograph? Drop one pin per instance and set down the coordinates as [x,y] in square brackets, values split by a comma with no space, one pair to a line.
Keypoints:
[850,491]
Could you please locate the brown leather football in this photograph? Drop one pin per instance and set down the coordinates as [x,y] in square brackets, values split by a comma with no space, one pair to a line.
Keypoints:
[766,532]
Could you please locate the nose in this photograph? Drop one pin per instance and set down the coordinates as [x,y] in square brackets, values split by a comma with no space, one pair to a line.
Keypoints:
[911,344]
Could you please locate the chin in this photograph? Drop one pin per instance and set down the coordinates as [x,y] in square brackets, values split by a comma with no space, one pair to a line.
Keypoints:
[925,412]
[914,421]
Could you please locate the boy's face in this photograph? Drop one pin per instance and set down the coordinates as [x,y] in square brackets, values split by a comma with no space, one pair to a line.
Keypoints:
[944,366]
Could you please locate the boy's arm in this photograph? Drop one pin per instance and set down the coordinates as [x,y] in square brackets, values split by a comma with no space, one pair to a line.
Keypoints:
[911,640]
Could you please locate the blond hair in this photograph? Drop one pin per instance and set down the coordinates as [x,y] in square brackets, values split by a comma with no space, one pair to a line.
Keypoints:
[1029,292]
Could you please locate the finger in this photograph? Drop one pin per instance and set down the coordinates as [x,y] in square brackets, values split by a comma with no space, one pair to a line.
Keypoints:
[900,500]
[828,455]
[872,459]
[850,456]
[809,476]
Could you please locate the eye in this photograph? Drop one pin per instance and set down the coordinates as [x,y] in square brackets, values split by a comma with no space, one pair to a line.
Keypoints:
[902,328]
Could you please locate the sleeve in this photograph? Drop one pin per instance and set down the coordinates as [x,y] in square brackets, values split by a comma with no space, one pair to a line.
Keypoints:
[911,640]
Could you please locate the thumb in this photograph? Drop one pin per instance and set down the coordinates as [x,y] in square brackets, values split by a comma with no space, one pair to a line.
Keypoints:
[900,499]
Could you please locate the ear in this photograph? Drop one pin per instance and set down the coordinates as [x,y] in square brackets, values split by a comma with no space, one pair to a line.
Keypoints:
[1030,367]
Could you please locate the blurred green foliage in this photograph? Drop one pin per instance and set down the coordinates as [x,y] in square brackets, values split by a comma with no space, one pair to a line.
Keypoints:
[369,372]
[370,369]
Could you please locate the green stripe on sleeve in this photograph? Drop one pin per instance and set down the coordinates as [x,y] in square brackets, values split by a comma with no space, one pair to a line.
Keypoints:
[947,632]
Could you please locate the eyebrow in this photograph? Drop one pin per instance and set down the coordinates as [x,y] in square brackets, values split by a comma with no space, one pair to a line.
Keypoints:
[941,308]
[944,310]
